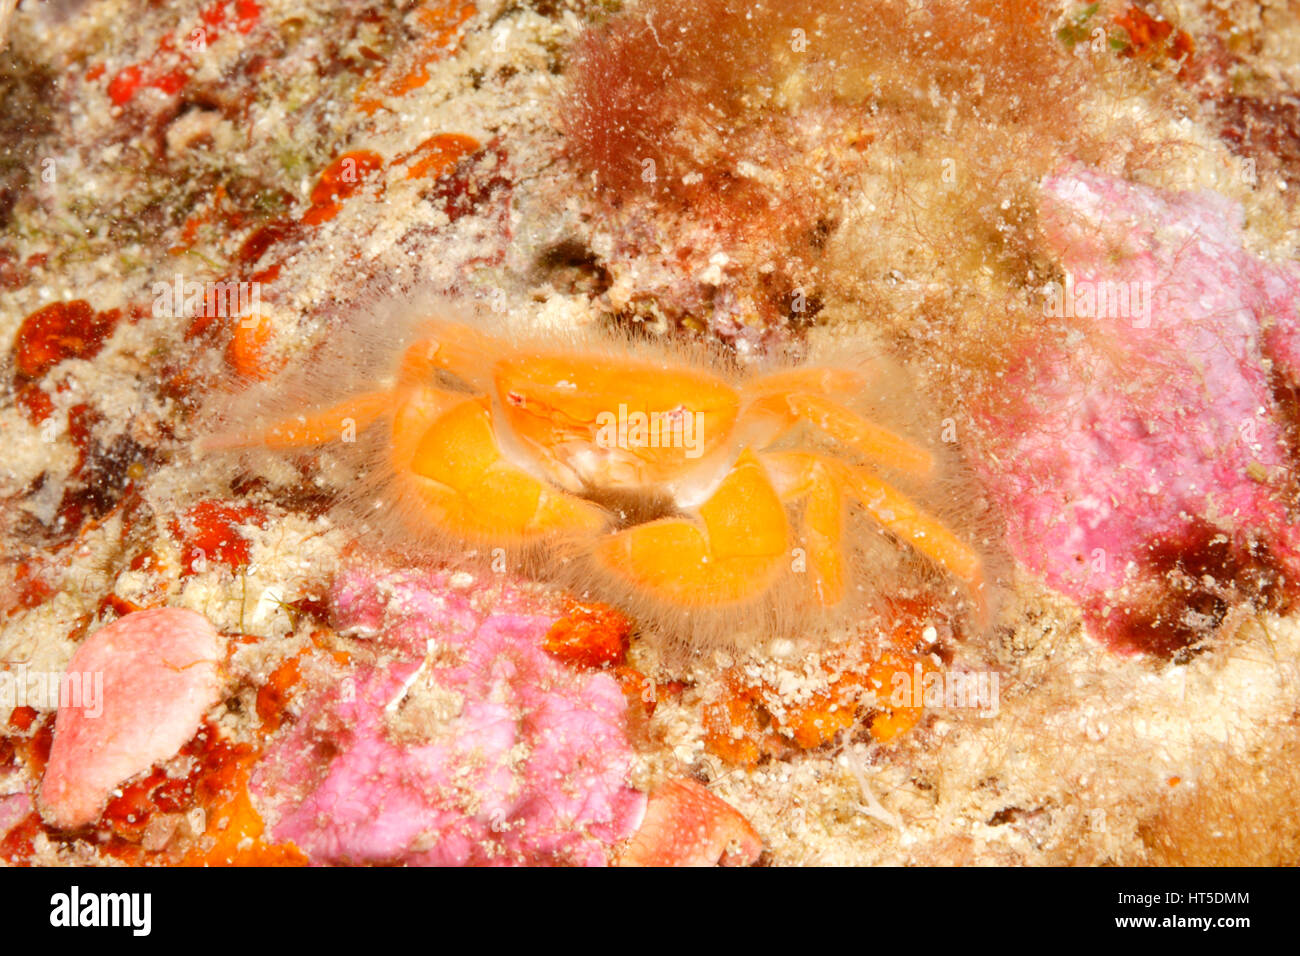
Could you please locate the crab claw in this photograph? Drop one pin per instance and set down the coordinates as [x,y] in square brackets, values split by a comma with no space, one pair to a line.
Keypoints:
[686,825]
[732,552]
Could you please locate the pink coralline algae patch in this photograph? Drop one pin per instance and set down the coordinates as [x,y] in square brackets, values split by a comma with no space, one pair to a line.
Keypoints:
[686,825]
[13,809]
[160,674]
[1137,449]
[463,742]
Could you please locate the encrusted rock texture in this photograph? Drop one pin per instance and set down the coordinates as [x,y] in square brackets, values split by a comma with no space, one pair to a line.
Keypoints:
[1075,225]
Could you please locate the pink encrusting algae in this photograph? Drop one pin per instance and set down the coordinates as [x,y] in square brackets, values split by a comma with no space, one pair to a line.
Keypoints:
[1146,437]
[464,742]
[158,674]
[13,808]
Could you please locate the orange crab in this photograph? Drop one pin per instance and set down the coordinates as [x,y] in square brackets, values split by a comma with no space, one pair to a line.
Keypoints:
[684,484]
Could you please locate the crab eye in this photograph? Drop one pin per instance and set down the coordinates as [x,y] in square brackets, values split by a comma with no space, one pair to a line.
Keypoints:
[515,400]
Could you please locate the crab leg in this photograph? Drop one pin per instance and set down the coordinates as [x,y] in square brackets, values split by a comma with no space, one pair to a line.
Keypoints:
[445,442]
[925,533]
[798,475]
[819,380]
[844,425]
[331,424]
[732,552]
[453,348]
[851,429]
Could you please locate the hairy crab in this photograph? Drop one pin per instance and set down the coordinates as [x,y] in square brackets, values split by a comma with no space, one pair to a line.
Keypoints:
[674,484]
